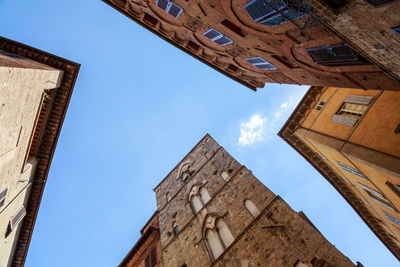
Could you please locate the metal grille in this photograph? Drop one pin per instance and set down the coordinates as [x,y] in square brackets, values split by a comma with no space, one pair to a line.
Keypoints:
[378,3]
[257,9]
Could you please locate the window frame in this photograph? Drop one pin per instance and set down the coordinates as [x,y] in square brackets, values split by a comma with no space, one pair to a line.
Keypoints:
[168,8]
[217,37]
[263,62]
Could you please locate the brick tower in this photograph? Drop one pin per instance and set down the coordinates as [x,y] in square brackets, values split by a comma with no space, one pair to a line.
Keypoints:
[212,211]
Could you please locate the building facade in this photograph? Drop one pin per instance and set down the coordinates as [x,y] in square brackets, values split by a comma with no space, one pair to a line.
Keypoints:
[256,42]
[352,137]
[35,88]
[379,41]
[212,211]
[147,250]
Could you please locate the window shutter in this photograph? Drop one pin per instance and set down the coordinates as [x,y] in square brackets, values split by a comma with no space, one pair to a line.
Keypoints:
[147,261]
[3,195]
[358,99]
[378,3]
[344,120]
[335,55]
[17,217]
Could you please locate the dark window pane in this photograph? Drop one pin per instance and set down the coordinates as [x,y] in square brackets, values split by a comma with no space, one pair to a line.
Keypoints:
[162,4]
[266,66]
[211,34]
[223,41]
[255,60]
[175,10]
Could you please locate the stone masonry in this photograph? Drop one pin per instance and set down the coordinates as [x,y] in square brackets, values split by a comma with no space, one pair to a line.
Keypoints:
[269,233]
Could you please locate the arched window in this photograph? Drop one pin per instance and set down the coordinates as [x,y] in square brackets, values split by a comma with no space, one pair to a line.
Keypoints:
[217,235]
[252,208]
[205,197]
[224,176]
[168,195]
[196,203]
[175,228]
[198,197]
[214,243]
[224,233]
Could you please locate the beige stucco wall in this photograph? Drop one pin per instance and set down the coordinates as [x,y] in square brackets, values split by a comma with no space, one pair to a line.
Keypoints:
[21,92]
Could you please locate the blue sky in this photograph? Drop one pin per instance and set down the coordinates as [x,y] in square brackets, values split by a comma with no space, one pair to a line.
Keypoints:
[138,107]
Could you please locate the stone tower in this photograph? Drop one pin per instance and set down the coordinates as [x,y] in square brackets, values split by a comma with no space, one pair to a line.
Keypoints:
[212,211]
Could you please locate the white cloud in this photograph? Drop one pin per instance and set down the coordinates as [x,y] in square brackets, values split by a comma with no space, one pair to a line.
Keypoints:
[252,131]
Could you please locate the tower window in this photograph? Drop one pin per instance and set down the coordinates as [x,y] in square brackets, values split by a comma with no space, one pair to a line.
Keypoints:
[151,259]
[218,236]
[252,208]
[175,228]
[260,63]
[217,37]
[275,12]
[396,29]
[169,7]
[335,55]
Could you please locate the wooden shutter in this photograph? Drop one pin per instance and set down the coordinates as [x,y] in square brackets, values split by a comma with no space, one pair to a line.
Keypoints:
[3,195]
[147,261]
[17,218]
[335,55]
[344,120]
[358,99]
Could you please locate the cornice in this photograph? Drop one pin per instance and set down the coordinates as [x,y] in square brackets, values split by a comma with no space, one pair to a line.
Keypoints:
[50,137]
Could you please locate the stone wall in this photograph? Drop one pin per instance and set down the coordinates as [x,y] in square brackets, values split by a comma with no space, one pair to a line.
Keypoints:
[277,237]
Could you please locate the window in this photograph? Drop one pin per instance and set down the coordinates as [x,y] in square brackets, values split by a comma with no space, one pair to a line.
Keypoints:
[352,109]
[151,259]
[335,55]
[224,176]
[395,188]
[351,170]
[396,29]
[217,37]
[393,219]
[260,63]
[217,235]
[379,3]
[168,196]
[377,197]
[320,105]
[252,208]
[175,228]
[3,195]
[198,197]
[275,12]
[169,7]
[232,27]
[397,130]
[16,219]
